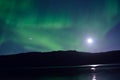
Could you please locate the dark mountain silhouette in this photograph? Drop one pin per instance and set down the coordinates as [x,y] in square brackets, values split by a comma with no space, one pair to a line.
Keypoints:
[59,58]
[54,63]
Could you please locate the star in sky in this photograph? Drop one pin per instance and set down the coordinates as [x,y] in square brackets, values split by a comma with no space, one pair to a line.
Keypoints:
[30,38]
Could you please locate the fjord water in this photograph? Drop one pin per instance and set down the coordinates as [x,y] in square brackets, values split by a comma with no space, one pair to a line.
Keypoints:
[100,73]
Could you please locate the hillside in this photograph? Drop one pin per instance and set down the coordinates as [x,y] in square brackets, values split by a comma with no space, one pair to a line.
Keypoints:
[59,58]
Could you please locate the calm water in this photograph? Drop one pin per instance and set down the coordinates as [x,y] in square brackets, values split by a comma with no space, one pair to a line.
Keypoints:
[100,73]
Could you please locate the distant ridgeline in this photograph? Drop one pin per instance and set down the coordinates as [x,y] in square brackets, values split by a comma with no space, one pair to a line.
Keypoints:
[59,58]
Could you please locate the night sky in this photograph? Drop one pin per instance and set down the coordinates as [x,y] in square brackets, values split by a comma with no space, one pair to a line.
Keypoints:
[51,25]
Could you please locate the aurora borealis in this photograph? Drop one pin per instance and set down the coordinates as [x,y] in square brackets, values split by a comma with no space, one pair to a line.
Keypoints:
[51,25]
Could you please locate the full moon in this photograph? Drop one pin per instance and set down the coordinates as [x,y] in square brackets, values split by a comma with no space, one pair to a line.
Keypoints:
[89,40]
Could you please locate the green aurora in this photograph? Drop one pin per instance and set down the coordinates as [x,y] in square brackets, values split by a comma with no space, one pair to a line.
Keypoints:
[50,25]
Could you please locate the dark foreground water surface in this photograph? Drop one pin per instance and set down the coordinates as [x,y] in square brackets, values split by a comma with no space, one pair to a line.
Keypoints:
[67,73]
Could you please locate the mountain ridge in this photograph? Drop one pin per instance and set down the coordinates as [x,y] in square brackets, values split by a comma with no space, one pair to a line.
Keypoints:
[59,58]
